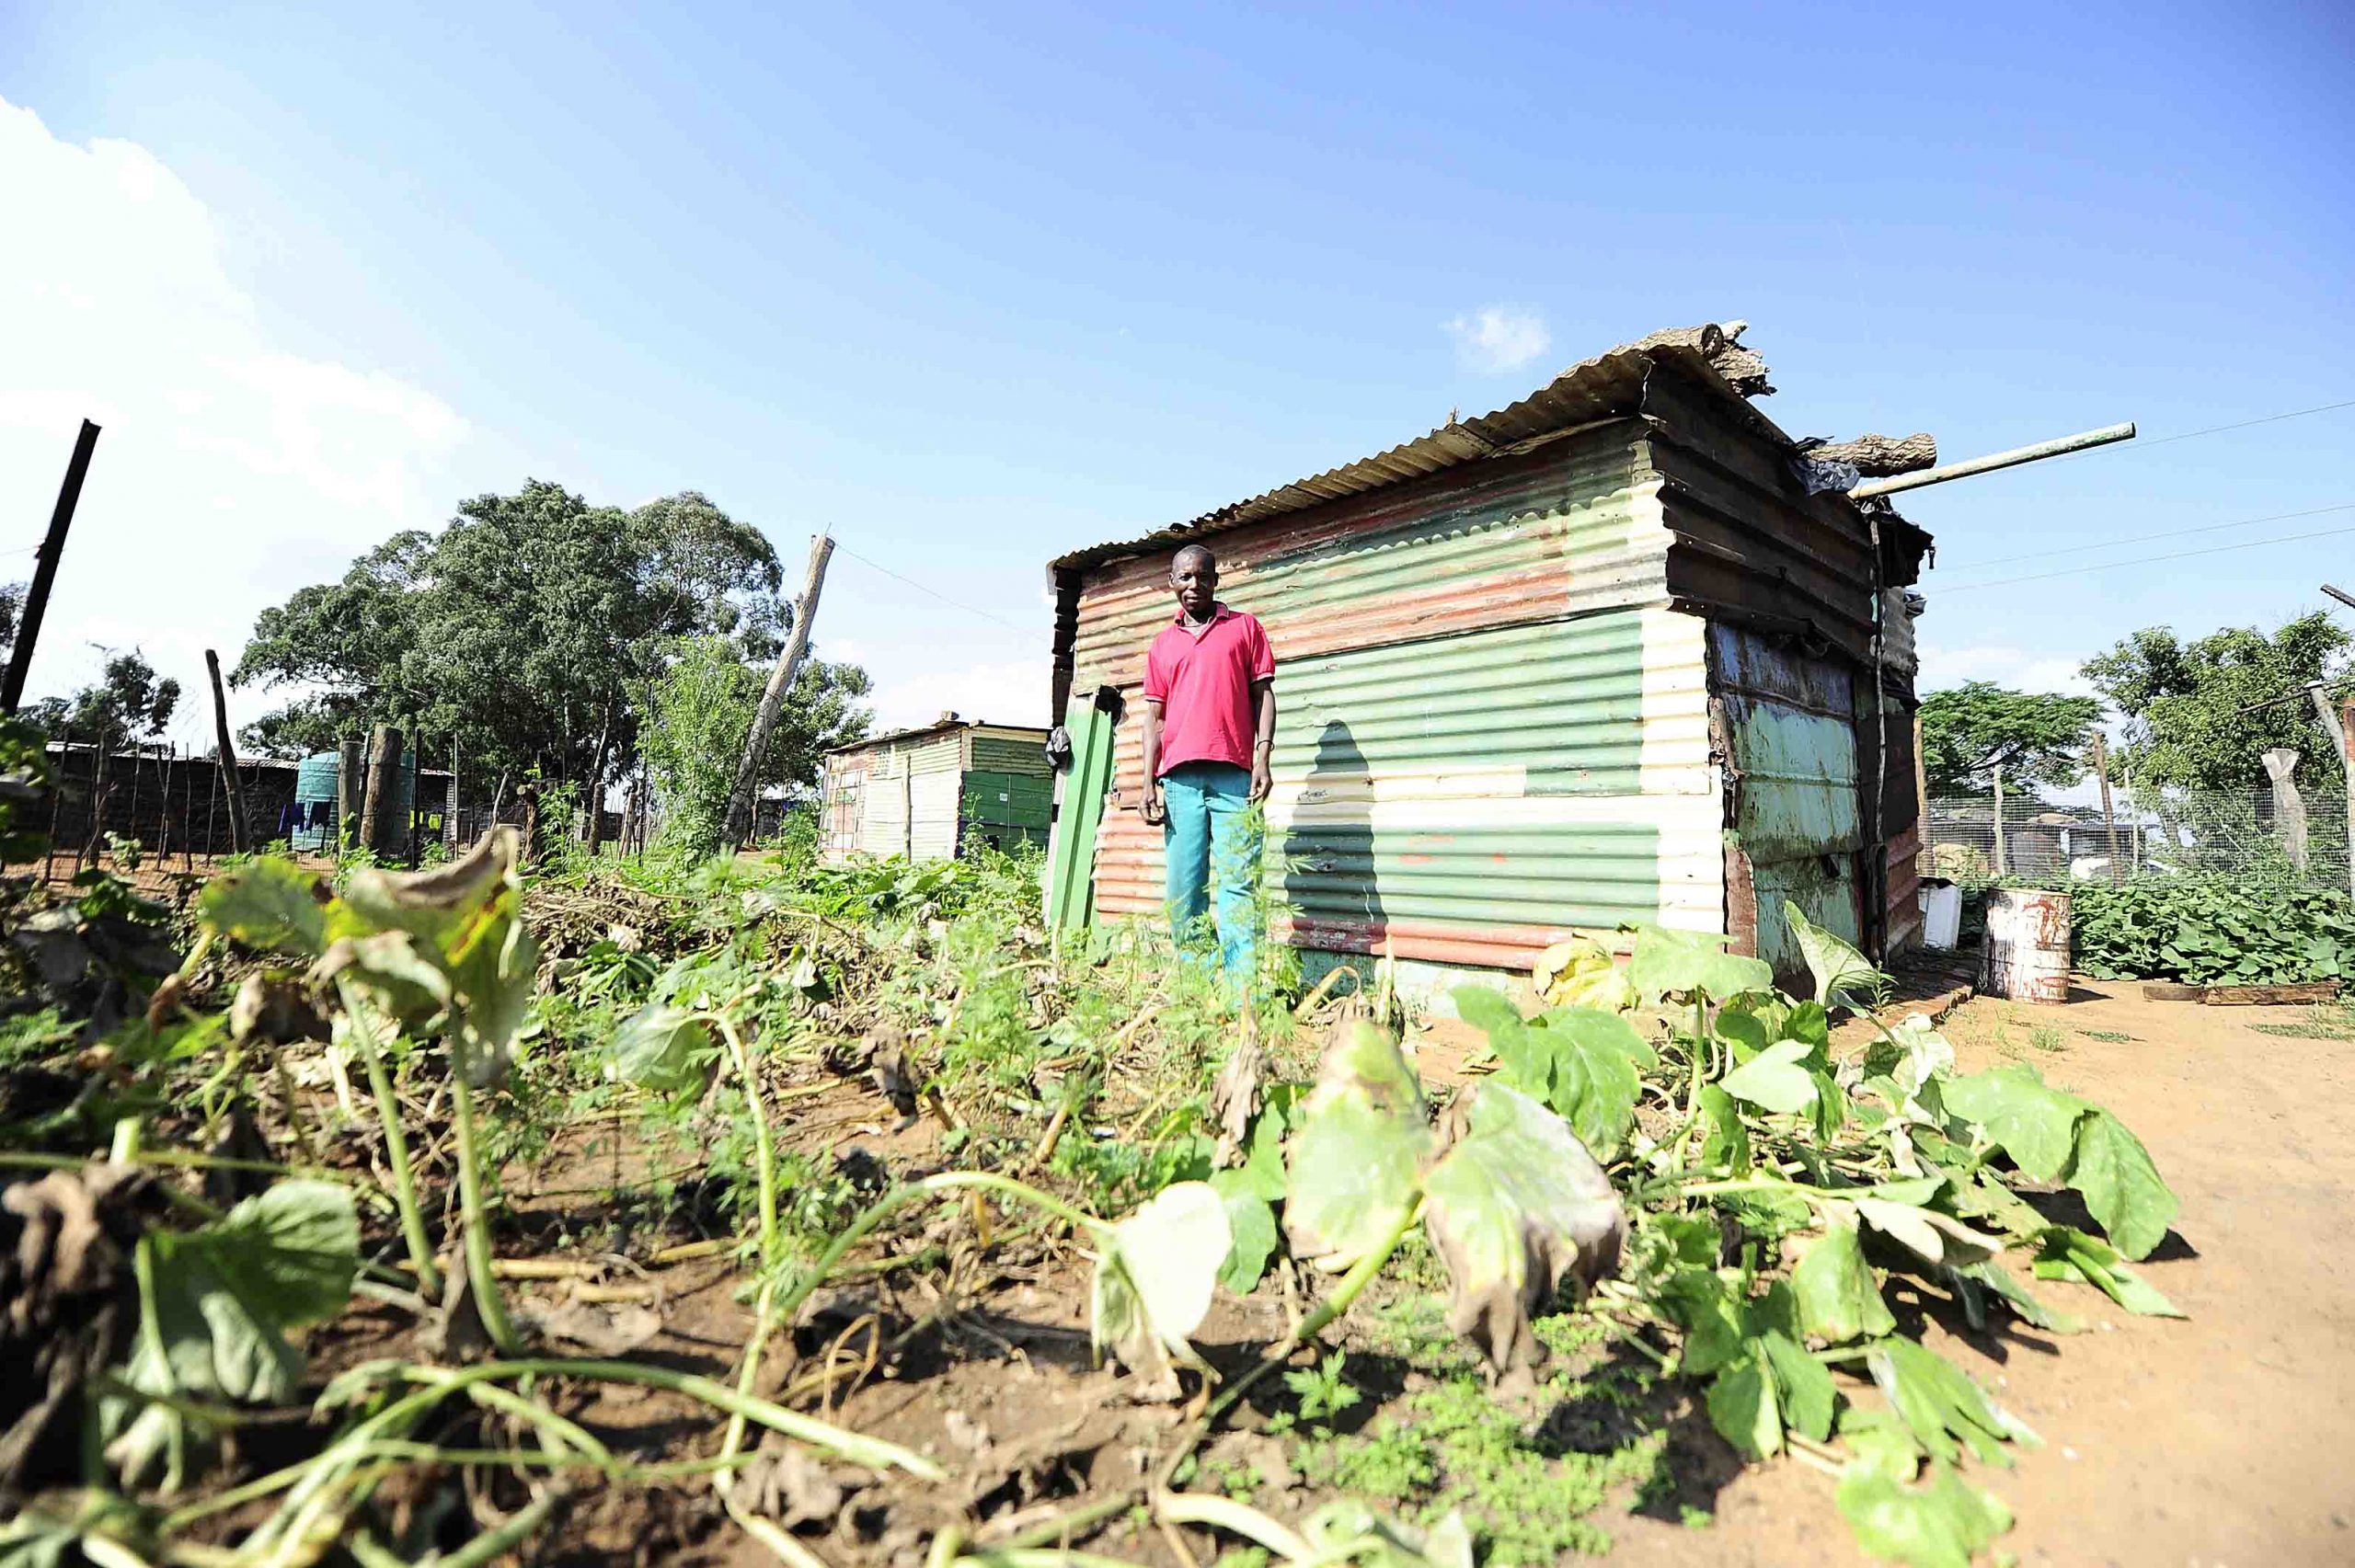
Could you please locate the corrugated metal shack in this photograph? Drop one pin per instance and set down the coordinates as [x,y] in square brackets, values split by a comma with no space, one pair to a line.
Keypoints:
[930,792]
[1603,655]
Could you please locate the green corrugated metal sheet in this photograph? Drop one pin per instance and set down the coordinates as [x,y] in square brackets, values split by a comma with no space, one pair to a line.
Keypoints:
[1005,754]
[1475,797]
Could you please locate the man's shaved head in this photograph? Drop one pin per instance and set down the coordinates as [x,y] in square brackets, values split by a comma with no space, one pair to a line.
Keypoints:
[1199,554]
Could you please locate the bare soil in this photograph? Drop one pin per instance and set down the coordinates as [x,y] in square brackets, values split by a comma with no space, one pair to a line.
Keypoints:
[2222,1440]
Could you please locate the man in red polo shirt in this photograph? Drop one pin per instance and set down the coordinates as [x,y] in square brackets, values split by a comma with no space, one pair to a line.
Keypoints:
[1209,721]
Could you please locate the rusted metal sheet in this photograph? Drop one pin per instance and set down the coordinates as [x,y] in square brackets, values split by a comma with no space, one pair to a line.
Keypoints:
[1568,529]
[1472,799]
[1792,807]
[2026,957]
[1903,877]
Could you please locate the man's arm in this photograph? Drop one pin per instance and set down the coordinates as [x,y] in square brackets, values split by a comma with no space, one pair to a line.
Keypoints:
[1263,743]
[1149,804]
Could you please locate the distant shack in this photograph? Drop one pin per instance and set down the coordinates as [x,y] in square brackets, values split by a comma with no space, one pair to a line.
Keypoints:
[1620,651]
[936,792]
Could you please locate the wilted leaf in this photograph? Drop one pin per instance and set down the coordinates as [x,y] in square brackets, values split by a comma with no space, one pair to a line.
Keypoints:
[1155,1274]
[1580,973]
[2034,1123]
[1515,1206]
[2122,1186]
[1803,1388]
[2064,1253]
[268,903]
[494,968]
[1251,1228]
[1678,963]
[412,988]
[1234,1099]
[1360,1143]
[1995,1277]
[665,1049]
[435,905]
[1838,1297]
[1774,1080]
[217,1303]
[1941,1524]
[1938,1403]
[1932,1237]
[601,1329]
[1842,974]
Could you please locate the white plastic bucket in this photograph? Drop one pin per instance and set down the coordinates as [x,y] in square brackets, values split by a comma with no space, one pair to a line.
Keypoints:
[1941,915]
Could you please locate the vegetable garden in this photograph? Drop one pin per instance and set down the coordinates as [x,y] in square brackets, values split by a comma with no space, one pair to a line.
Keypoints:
[651,1211]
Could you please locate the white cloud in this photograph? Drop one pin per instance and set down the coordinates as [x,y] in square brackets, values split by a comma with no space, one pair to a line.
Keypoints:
[2017,668]
[1011,692]
[229,471]
[1500,338]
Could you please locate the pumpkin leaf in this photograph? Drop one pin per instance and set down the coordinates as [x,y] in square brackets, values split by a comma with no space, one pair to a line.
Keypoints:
[1516,1205]
[1681,963]
[1360,1143]
[1156,1275]
[268,903]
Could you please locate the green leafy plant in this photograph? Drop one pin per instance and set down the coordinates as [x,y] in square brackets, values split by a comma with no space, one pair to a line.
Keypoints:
[2212,929]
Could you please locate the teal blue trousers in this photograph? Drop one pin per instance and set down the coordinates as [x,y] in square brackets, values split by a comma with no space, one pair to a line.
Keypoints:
[1210,839]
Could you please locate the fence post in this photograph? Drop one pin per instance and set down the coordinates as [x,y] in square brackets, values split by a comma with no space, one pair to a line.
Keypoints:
[2002,864]
[2108,818]
[383,756]
[2289,810]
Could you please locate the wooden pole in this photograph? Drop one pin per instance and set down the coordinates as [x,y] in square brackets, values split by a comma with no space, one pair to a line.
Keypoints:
[240,828]
[416,752]
[188,811]
[53,546]
[2002,865]
[781,678]
[351,778]
[2108,818]
[2340,728]
[383,756]
[450,833]
[56,807]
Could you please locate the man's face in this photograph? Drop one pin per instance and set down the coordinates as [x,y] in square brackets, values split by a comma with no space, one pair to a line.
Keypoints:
[1193,576]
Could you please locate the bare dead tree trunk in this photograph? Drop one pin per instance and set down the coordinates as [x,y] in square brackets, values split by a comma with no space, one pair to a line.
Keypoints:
[781,678]
[383,756]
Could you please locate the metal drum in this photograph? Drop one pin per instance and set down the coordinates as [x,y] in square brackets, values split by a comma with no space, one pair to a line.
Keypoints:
[2025,956]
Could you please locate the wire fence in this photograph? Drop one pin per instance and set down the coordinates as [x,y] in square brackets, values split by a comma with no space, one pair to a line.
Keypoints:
[2298,837]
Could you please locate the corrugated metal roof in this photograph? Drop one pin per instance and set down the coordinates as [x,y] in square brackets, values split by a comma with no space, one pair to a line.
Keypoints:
[939,727]
[1607,387]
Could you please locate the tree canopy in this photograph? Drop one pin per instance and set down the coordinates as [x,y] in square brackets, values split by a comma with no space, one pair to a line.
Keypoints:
[129,704]
[2037,737]
[2184,702]
[526,632]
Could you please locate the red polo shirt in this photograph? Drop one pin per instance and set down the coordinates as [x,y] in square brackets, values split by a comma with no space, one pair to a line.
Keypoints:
[1204,686]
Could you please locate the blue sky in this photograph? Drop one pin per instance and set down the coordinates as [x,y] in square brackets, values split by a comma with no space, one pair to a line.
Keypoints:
[971,286]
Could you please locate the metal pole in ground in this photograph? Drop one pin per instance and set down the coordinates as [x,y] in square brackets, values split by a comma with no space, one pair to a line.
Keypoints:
[188,811]
[212,816]
[2108,818]
[53,546]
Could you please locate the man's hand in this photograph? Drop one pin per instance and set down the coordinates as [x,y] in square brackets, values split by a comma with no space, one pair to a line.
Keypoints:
[1152,808]
[1261,780]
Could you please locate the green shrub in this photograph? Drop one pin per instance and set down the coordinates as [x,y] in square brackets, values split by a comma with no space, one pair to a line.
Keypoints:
[2209,929]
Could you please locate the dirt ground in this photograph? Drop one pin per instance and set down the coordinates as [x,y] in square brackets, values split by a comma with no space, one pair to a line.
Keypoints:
[2221,1441]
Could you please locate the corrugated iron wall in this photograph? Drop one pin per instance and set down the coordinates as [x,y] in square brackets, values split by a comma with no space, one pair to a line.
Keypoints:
[1787,721]
[1490,733]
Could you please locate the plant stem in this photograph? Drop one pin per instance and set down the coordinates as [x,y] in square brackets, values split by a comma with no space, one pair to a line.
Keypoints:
[1352,1284]
[765,1153]
[388,1111]
[881,1209]
[871,1451]
[477,1222]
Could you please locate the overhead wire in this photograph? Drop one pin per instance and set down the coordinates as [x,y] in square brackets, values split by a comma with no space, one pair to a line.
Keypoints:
[920,588]
[2171,533]
[2146,560]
